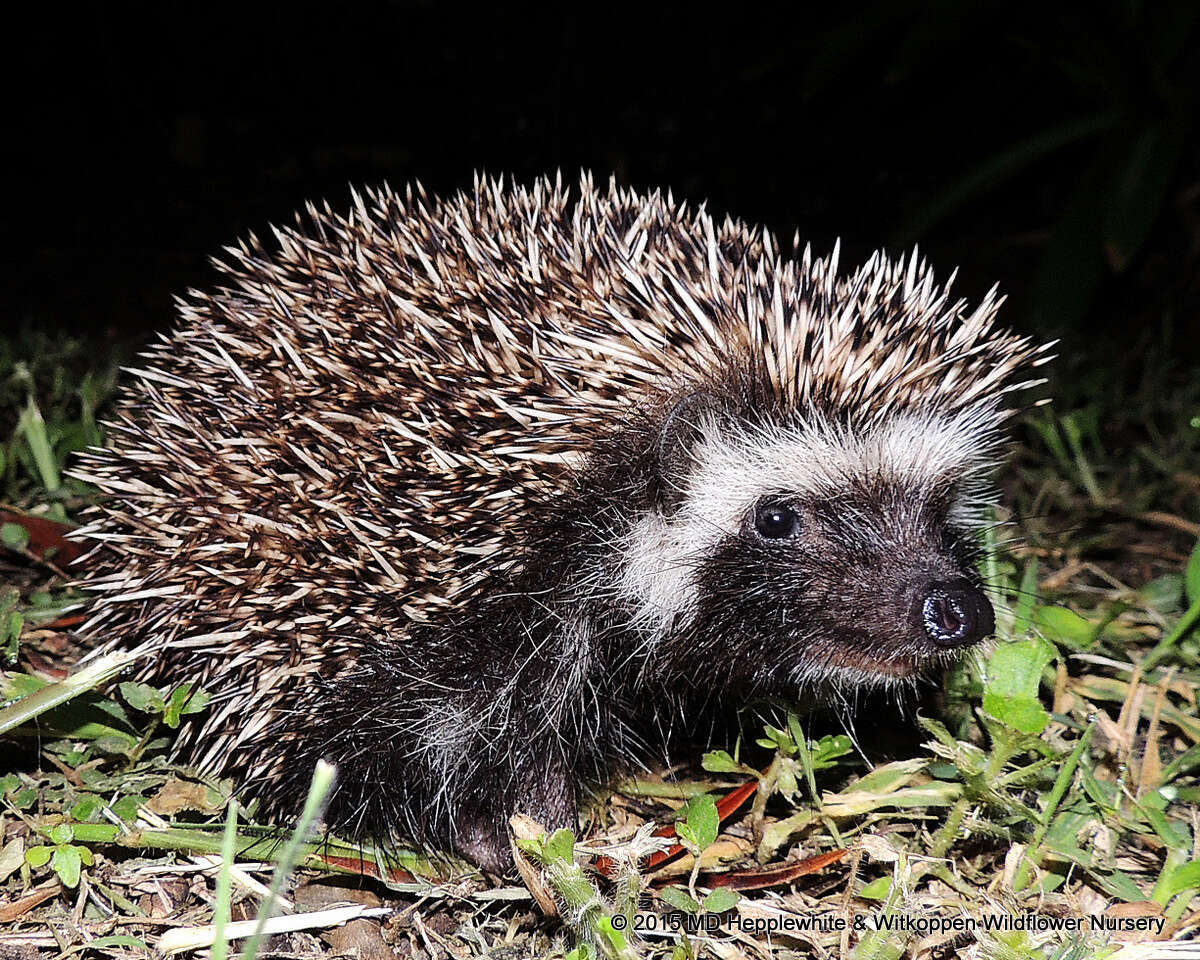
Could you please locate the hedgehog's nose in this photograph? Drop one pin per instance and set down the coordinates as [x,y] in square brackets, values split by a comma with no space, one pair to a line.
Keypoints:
[955,614]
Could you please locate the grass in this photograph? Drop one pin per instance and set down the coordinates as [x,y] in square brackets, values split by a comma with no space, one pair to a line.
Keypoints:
[1057,777]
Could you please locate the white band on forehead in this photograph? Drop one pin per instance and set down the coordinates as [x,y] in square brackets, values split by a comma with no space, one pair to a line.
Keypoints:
[733,468]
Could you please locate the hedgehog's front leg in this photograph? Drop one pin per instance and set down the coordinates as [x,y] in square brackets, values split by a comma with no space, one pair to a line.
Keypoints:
[509,741]
[442,735]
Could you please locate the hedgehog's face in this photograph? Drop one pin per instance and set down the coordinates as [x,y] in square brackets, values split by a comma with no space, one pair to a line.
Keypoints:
[870,582]
[787,555]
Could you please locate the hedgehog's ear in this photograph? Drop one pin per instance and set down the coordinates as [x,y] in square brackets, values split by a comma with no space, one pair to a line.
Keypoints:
[680,431]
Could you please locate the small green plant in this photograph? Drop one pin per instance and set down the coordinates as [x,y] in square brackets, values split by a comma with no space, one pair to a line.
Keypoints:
[583,907]
[65,857]
[169,705]
[696,827]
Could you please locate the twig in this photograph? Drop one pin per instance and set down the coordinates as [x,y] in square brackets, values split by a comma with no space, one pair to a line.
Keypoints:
[195,938]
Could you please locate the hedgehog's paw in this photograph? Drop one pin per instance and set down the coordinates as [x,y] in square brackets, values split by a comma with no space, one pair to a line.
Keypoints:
[487,847]
[487,840]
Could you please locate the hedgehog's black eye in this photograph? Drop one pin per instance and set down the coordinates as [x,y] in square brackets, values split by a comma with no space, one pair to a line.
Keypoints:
[775,521]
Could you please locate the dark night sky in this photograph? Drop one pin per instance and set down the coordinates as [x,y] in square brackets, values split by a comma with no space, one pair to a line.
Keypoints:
[147,140]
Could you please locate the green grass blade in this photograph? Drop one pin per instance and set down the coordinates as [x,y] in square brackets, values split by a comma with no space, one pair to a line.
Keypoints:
[95,674]
[222,907]
[322,783]
[34,429]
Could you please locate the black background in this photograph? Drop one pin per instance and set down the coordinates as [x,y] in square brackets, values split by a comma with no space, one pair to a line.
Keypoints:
[1049,148]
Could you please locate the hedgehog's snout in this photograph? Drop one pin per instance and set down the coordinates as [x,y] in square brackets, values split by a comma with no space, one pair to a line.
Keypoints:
[955,613]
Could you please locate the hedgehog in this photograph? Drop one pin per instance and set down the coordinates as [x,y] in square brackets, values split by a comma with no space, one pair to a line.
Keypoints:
[479,497]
